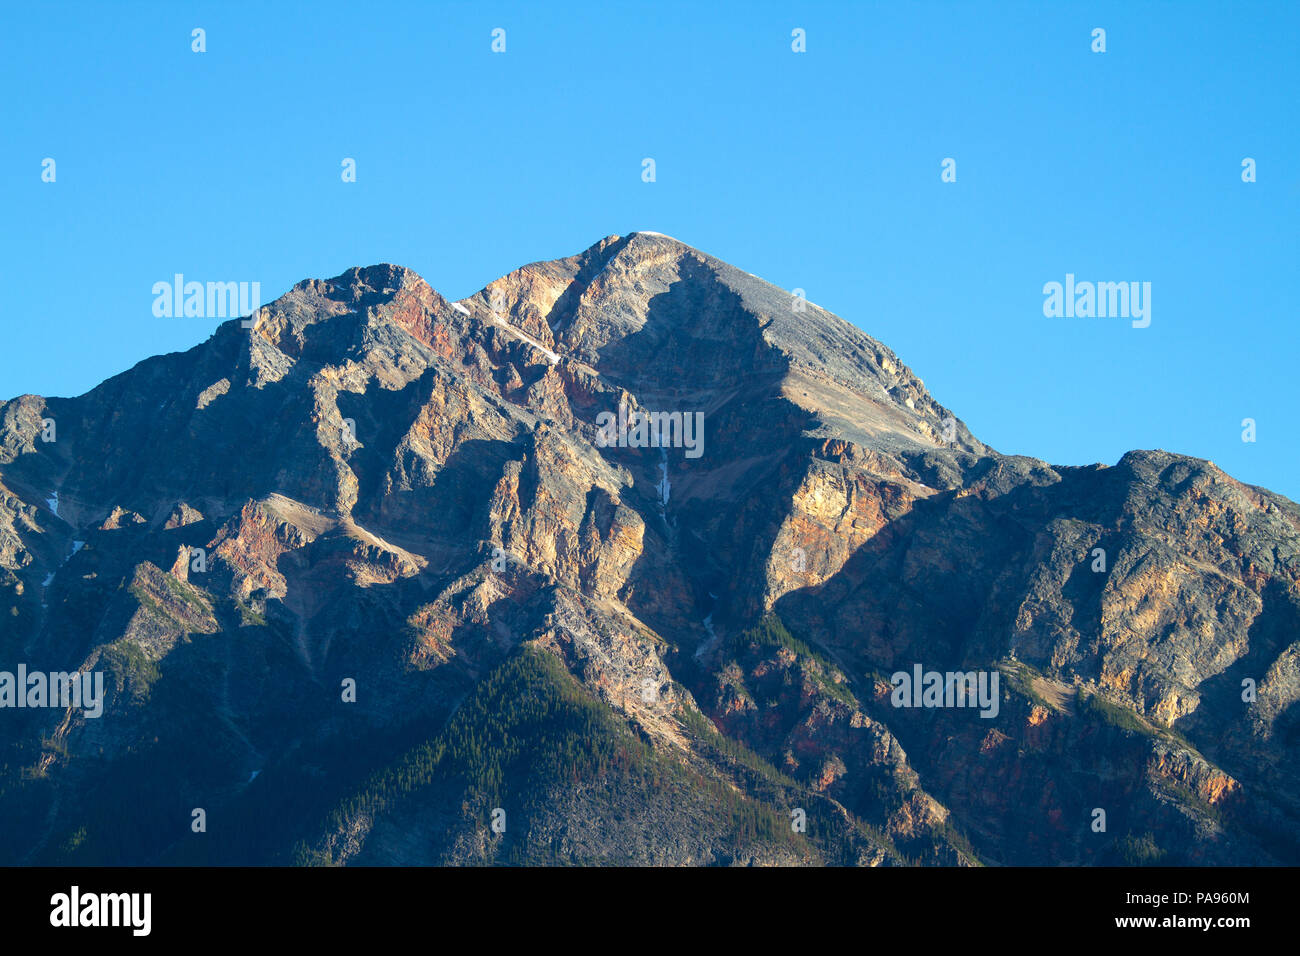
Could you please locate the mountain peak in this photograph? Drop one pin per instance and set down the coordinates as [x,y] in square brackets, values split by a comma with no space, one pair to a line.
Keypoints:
[429,498]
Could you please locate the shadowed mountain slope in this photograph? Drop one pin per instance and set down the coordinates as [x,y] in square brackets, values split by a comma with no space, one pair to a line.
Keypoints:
[368,583]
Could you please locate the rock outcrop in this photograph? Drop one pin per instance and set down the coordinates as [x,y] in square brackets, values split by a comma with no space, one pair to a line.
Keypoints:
[418,607]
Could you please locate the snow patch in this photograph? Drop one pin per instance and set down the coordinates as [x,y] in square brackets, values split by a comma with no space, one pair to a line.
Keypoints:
[551,357]
[665,486]
[53,502]
[459,308]
[708,645]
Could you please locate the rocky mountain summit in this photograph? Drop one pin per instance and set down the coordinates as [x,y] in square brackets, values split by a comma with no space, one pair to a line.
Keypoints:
[369,584]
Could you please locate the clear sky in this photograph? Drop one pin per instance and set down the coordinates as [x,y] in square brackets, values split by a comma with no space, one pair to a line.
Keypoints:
[818,170]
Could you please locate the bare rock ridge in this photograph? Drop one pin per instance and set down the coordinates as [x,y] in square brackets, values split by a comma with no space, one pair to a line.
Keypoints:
[369,569]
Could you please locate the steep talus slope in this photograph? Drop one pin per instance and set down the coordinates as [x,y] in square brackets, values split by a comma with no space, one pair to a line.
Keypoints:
[364,578]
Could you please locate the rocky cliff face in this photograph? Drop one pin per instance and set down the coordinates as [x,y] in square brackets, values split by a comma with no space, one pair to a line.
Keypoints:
[369,582]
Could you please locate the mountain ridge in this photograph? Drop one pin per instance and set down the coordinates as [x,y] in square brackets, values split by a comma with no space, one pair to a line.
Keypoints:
[410,493]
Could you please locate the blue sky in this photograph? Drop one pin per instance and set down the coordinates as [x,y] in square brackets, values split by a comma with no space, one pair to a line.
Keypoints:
[818,170]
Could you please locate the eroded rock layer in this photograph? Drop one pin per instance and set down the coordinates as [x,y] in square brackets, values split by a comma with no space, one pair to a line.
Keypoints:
[368,583]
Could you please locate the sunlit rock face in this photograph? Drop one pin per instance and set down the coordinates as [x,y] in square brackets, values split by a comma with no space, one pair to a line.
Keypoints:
[369,569]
